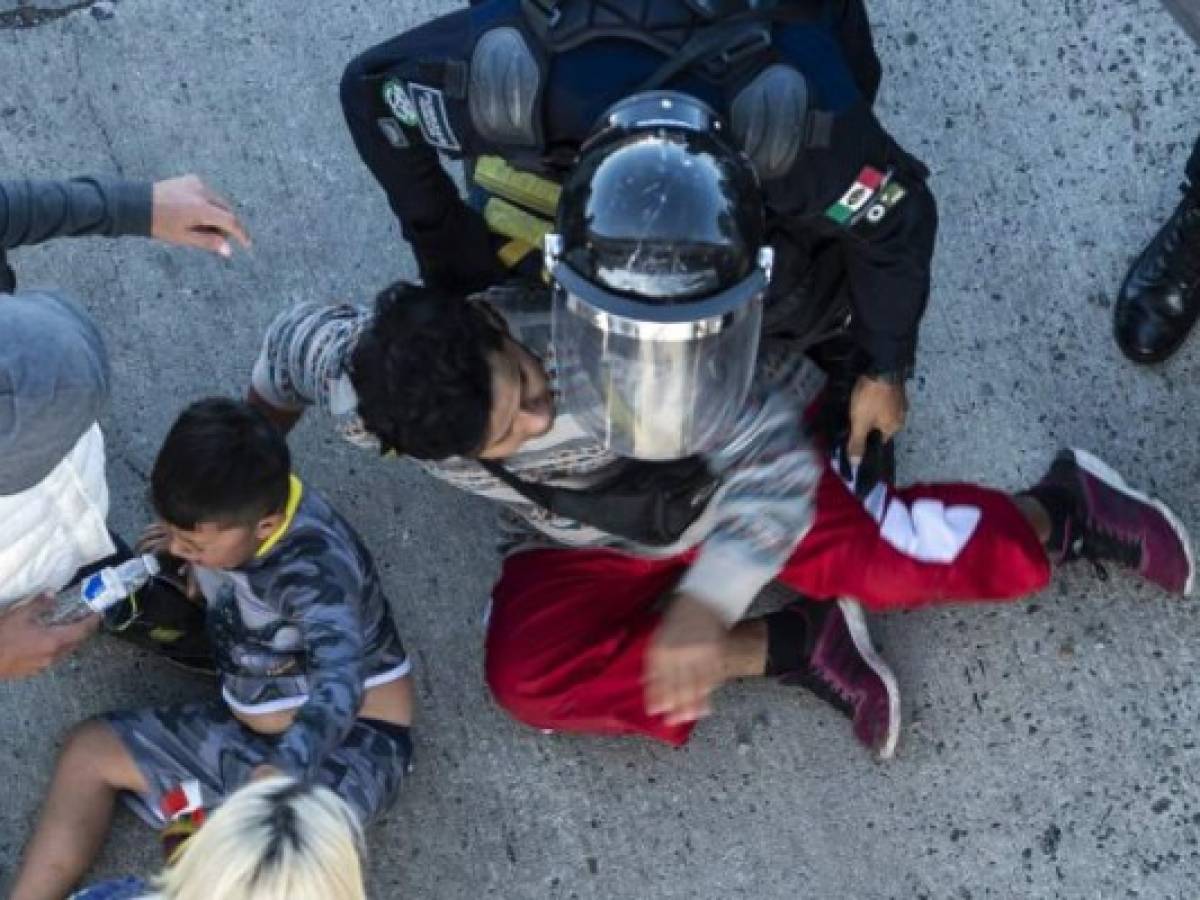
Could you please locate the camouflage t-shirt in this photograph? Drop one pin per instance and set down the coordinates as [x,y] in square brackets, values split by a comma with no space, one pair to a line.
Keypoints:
[305,625]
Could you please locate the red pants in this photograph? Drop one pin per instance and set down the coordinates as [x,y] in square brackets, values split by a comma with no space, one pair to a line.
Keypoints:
[569,628]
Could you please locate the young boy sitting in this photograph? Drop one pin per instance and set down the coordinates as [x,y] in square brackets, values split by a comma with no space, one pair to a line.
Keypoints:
[313,673]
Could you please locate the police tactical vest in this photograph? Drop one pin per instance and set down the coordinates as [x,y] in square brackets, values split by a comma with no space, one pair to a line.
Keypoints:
[727,43]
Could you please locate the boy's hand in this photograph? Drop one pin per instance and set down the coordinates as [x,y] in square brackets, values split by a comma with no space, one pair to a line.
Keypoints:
[264,771]
[187,212]
[28,645]
[157,540]
[684,662]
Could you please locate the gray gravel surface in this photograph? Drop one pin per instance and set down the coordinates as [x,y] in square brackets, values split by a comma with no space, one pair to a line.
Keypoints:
[1051,748]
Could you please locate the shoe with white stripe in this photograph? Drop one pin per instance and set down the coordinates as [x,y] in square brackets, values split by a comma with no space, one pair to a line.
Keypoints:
[842,667]
[1114,523]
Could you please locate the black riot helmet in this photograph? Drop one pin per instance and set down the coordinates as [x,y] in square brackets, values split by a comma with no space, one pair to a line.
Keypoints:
[660,266]
[659,205]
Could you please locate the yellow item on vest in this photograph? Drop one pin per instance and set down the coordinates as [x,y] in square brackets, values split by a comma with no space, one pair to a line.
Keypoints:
[513,252]
[497,177]
[512,222]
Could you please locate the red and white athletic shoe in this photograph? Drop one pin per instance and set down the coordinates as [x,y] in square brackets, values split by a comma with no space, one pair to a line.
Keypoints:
[1114,523]
[842,667]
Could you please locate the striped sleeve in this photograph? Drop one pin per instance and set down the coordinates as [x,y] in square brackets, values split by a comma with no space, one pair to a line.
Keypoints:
[765,506]
[305,354]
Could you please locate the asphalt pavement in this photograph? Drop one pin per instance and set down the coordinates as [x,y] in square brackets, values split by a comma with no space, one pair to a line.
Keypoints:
[1051,746]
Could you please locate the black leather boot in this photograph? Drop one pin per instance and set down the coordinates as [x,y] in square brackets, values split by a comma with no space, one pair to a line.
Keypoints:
[1160,298]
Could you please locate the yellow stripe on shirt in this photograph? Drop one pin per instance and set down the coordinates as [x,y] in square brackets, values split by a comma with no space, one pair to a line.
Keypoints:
[295,493]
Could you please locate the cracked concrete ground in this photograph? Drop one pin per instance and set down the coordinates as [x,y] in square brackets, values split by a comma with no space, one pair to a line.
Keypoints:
[1051,747]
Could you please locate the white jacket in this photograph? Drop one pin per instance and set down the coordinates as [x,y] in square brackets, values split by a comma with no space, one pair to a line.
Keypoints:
[51,530]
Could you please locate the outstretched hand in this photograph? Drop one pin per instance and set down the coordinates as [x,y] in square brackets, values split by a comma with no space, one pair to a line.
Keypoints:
[187,212]
[28,645]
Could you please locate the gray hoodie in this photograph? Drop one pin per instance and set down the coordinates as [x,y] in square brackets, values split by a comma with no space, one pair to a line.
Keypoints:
[54,372]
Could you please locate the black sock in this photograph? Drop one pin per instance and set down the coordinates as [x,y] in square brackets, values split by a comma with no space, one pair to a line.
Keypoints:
[787,642]
[1059,504]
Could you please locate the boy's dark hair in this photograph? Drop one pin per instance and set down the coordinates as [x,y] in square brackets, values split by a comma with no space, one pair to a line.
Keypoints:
[222,462]
[422,375]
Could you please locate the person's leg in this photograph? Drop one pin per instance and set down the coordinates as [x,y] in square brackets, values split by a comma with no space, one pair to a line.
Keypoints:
[920,545]
[938,543]
[569,631]
[567,639]
[369,767]
[1159,299]
[93,769]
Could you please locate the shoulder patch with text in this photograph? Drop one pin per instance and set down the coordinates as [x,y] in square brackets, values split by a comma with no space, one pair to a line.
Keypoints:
[433,118]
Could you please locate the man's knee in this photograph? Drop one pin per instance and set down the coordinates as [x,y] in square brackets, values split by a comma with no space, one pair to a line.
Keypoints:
[514,680]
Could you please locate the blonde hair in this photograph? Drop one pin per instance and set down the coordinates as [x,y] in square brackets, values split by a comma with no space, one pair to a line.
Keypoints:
[274,839]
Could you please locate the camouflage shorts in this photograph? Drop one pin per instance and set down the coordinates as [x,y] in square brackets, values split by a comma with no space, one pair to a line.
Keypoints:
[203,743]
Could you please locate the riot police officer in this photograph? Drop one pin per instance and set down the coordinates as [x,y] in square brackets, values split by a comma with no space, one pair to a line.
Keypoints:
[515,87]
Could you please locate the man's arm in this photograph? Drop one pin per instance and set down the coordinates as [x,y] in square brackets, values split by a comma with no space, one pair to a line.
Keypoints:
[181,211]
[889,264]
[870,196]
[450,240]
[319,593]
[764,507]
[303,362]
[36,211]
[889,272]
[769,473]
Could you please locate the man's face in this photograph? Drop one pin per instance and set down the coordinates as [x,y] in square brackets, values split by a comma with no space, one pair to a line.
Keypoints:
[216,546]
[522,408]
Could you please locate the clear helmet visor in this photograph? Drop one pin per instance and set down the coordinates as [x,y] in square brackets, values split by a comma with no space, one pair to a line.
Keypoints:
[656,381]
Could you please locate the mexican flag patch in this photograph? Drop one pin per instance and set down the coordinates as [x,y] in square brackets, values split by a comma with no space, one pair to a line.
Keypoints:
[865,187]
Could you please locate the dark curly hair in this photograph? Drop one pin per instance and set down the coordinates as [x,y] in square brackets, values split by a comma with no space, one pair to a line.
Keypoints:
[422,375]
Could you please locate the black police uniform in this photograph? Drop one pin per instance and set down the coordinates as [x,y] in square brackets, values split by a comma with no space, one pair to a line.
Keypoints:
[849,214]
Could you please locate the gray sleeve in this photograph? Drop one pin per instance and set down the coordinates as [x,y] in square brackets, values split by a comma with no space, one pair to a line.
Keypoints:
[769,474]
[36,211]
[305,355]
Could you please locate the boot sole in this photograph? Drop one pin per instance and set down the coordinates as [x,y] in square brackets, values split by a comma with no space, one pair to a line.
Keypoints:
[856,623]
[1098,468]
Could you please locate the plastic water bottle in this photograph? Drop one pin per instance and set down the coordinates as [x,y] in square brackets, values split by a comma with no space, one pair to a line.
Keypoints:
[103,590]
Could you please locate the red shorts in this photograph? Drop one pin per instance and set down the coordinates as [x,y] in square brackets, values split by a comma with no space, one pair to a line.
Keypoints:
[569,628]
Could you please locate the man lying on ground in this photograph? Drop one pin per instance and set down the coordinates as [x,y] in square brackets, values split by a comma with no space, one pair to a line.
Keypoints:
[579,637]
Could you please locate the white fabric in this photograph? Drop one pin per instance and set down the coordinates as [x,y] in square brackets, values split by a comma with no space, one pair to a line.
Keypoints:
[928,531]
[51,530]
